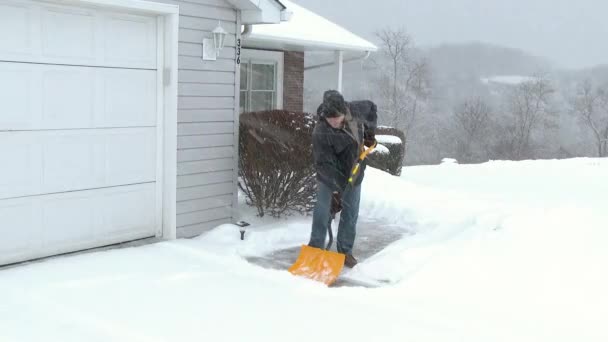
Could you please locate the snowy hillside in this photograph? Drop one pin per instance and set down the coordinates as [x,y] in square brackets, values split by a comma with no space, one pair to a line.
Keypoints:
[508,80]
[502,251]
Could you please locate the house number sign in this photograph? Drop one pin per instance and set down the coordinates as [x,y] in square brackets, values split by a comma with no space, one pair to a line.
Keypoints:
[238,51]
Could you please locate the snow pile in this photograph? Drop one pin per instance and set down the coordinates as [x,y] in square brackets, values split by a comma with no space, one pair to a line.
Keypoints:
[517,246]
[486,199]
[503,251]
[388,139]
[381,149]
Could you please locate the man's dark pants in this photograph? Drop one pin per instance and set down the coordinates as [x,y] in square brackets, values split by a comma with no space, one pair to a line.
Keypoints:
[348,218]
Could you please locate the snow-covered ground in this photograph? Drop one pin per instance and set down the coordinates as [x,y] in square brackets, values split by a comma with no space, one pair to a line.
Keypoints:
[502,251]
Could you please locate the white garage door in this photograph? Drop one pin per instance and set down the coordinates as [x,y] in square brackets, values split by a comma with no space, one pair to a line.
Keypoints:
[78,129]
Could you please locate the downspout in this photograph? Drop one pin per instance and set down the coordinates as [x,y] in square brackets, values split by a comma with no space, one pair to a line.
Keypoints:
[247,31]
[340,68]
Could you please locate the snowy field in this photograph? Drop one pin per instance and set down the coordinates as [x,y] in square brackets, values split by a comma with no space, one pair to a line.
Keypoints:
[502,251]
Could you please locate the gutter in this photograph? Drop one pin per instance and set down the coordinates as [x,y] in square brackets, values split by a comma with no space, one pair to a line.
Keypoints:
[286,15]
[318,66]
[280,3]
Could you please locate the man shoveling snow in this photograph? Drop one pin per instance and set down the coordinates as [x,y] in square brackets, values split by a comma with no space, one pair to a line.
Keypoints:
[339,141]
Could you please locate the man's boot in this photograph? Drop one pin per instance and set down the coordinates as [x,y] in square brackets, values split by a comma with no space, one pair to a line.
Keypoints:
[350,261]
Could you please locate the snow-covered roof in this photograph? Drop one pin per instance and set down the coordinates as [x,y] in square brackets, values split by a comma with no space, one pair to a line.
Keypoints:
[306,31]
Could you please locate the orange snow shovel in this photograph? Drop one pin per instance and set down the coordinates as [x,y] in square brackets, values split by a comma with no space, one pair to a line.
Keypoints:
[322,264]
[319,264]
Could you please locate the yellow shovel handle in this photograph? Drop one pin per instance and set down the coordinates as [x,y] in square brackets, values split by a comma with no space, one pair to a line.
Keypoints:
[365,153]
[362,157]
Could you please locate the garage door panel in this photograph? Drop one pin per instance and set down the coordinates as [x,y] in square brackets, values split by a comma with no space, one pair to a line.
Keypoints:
[130,98]
[130,39]
[43,162]
[71,161]
[130,210]
[57,34]
[15,33]
[131,156]
[45,225]
[40,97]
[68,95]
[16,97]
[20,228]
[21,165]
[69,219]
[69,33]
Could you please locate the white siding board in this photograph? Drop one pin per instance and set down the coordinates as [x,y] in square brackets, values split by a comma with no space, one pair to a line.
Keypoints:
[197,154]
[197,229]
[200,141]
[189,168]
[204,216]
[191,102]
[204,204]
[196,180]
[205,128]
[197,63]
[196,50]
[197,36]
[203,24]
[205,115]
[217,77]
[204,191]
[215,90]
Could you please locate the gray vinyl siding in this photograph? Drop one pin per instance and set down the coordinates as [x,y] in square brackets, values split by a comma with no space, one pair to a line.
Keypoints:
[206,119]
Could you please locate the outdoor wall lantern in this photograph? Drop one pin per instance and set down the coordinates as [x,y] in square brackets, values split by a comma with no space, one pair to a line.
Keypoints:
[212,47]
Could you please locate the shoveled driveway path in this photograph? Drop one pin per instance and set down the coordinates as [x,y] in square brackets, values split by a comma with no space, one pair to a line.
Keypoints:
[372,237]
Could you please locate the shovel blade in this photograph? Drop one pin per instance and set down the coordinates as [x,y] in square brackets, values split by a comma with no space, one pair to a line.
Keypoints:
[318,264]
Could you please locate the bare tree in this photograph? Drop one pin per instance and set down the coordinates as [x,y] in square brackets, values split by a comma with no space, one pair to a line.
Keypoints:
[529,106]
[403,80]
[472,119]
[591,106]
[396,45]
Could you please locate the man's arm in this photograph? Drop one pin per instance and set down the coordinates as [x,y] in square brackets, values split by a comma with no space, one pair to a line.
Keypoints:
[326,162]
[366,111]
[371,123]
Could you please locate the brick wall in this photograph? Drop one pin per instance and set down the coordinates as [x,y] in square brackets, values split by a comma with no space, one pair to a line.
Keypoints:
[293,81]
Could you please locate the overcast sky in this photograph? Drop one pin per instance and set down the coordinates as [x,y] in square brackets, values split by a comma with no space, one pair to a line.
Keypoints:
[571,33]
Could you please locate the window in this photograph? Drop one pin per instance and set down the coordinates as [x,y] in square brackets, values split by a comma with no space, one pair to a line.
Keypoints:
[261,80]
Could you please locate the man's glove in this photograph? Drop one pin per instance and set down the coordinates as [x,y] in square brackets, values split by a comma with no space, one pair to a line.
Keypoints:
[369,140]
[336,203]
[369,137]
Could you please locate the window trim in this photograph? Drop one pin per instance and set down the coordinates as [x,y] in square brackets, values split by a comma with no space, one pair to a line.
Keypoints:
[266,57]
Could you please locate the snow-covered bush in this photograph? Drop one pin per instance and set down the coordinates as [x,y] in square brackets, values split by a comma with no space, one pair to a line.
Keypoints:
[389,154]
[276,169]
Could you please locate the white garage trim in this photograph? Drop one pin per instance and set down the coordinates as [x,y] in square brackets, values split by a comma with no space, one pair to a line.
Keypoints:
[146,7]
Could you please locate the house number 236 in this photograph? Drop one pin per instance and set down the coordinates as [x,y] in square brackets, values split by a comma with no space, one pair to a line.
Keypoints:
[238,51]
